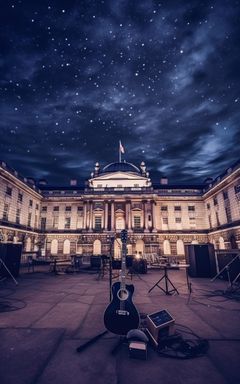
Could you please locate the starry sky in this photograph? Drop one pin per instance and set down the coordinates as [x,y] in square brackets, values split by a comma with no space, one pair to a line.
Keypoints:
[161,76]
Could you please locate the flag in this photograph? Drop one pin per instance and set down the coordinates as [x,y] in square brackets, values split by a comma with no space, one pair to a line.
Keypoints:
[121,148]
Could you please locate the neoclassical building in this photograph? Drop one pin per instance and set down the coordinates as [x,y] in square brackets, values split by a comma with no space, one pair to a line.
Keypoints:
[85,219]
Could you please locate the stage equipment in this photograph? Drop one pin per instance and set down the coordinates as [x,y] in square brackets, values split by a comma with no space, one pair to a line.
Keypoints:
[201,258]
[167,281]
[160,324]
[231,277]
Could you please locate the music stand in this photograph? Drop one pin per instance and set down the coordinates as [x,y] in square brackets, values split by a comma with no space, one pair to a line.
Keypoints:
[165,277]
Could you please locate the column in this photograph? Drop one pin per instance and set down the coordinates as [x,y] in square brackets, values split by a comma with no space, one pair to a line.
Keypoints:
[106,216]
[145,216]
[126,214]
[112,216]
[154,216]
[90,215]
[129,216]
[84,215]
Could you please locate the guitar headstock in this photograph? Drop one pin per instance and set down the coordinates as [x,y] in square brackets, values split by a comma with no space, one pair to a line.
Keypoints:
[124,235]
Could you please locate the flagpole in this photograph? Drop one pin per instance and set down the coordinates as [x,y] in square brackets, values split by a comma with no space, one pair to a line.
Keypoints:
[120,156]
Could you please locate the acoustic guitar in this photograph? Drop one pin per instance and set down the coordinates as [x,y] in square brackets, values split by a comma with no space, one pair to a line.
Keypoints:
[121,315]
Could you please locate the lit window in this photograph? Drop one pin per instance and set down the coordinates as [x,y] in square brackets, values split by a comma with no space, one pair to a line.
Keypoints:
[137,222]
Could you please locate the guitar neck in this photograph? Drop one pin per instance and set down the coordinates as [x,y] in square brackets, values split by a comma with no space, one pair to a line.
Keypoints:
[123,265]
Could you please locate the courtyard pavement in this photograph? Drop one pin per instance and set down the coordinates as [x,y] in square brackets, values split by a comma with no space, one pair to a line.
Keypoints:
[46,317]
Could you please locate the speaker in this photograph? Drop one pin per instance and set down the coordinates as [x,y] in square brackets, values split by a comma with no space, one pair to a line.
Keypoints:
[201,259]
[160,324]
[10,254]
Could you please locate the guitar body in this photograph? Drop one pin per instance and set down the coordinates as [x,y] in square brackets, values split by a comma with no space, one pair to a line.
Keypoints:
[121,315]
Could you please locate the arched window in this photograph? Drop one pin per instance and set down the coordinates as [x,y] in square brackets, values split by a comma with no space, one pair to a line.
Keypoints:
[54,247]
[221,243]
[66,247]
[97,247]
[28,244]
[166,247]
[180,247]
[139,246]
[117,248]
[129,249]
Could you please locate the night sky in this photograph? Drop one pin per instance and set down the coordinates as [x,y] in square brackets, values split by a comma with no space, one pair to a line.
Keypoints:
[161,76]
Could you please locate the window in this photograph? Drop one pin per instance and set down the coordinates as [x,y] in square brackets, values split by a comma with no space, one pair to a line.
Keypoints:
[30,203]
[210,221]
[5,211]
[177,208]
[18,216]
[37,206]
[67,222]
[137,222]
[165,220]
[43,224]
[44,209]
[98,222]
[217,218]
[36,221]
[225,195]
[29,219]
[98,204]
[136,185]
[149,217]
[20,197]
[208,206]
[215,201]
[191,208]
[80,209]
[68,209]
[55,222]
[55,209]
[237,188]
[9,191]
[228,213]
[178,220]
[99,185]
[164,208]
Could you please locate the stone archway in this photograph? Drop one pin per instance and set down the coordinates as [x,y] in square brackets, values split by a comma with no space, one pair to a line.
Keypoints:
[117,249]
[166,247]
[66,247]
[28,244]
[180,247]
[221,243]
[97,247]
[139,247]
[54,247]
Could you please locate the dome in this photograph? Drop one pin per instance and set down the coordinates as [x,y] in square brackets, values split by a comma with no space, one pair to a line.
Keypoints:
[121,167]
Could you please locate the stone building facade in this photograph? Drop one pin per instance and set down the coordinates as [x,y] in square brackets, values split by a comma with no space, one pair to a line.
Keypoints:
[160,218]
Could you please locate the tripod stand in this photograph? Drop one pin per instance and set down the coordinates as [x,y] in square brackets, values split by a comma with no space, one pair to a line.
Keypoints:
[165,277]
[8,271]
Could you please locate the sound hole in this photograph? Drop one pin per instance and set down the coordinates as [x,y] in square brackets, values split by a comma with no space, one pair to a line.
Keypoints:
[122,294]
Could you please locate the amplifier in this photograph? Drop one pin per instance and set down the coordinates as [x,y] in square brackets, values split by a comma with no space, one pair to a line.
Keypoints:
[160,324]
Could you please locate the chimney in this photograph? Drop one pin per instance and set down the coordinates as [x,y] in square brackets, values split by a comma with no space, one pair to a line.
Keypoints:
[164,180]
[73,182]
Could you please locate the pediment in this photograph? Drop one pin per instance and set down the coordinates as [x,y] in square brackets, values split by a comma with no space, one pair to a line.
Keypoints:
[119,176]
